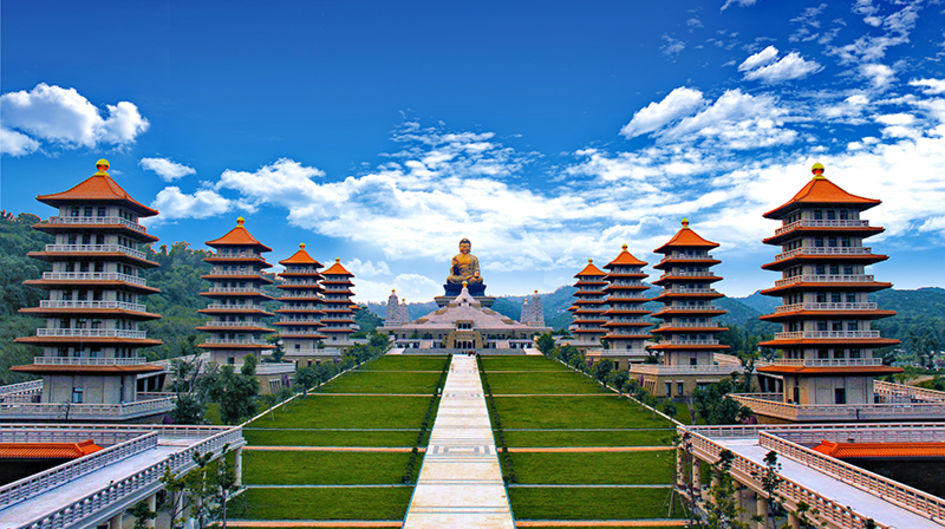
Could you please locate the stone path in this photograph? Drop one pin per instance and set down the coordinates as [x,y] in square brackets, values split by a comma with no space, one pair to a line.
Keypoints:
[460,483]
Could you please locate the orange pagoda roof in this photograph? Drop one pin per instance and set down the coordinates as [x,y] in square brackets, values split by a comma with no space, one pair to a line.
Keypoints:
[590,270]
[337,270]
[300,257]
[47,450]
[625,258]
[97,188]
[686,238]
[903,450]
[239,236]
[821,191]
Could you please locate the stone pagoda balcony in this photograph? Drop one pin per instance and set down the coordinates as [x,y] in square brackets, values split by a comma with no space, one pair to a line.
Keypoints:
[93,276]
[90,333]
[824,250]
[22,391]
[243,272]
[660,369]
[814,306]
[686,273]
[823,362]
[825,335]
[854,278]
[62,411]
[811,223]
[235,290]
[677,340]
[221,306]
[96,248]
[75,304]
[680,290]
[773,405]
[703,325]
[89,361]
[96,220]
[235,341]
[701,308]
[233,324]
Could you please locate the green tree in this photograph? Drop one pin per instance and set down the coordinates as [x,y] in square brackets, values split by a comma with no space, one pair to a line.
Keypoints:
[713,404]
[721,507]
[601,369]
[669,408]
[142,515]
[771,481]
[545,343]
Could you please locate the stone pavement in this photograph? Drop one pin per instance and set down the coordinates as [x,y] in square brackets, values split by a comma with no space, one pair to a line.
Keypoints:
[460,484]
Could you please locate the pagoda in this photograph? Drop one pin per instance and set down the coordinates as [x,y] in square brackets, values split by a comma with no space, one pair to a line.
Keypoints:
[588,308]
[827,362]
[338,308]
[626,318]
[301,311]
[687,337]
[90,368]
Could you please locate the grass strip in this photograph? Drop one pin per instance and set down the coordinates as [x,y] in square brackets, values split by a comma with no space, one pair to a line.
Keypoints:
[329,438]
[505,461]
[412,469]
[407,363]
[520,363]
[563,382]
[593,504]
[577,412]
[322,504]
[322,468]
[520,439]
[593,468]
[382,382]
[326,411]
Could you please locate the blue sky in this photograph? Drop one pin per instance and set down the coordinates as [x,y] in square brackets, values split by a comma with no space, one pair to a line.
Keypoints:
[547,133]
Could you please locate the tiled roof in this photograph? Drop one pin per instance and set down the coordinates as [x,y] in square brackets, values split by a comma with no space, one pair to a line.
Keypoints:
[301,257]
[47,450]
[337,270]
[903,450]
[686,238]
[239,236]
[590,270]
[821,191]
[96,188]
[625,259]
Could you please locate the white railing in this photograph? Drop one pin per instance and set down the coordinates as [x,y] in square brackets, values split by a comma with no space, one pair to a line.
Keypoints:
[823,362]
[677,341]
[701,308]
[63,410]
[220,306]
[89,361]
[887,489]
[688,324]
[42,482]
[818,335]
[75,512]
[234,341]
[659,369]
[687,273]
[289,334]
[95,248]
[72,304]
[682,290]
[306,321]
[840,412]
[237,255]
[93,276]
[244,272]
[97,220]
[811,223]
[832,278]
[236,290]
[824,250]
[233,324]
[891,389]
[794,307]
[274,368]
[91,333]
[26,389]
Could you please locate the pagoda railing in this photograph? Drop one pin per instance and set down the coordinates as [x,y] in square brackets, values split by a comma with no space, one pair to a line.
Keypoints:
[242,272]
[794,307]
[659,369]
[91,333]
[95,248]
[700,308]
[63,410]
[89,361]
[839,412]
[274,368]
[677,341]
[233,324]
[824,250]
[703,325]
[820,335]
[76,304]
[891,389]
[93,276]
[823,362]
[685,273]
[834,278]
[812,223]
[21,389]
[300,321]
[682,290]
[235,341]
[236,290]
[97,220]
[220,306]
[237,255]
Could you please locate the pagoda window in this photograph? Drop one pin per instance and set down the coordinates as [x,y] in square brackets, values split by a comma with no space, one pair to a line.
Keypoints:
[848,269]
[82,295]
[819,242]
[820,269]
[87,212]
[835,297]
[818,214]
[823,354]
[844,214]
[821,326]
[831,214]
[846,242]
[80,324]
[84,266]
[74,211]
[73,238]
[834,270]
[102,212]
[855,353]
[77,396]
[853,325]
[99,266]
[97,295]
[821,297]
[837,326]
[832,242]
[851,297]
[65,323]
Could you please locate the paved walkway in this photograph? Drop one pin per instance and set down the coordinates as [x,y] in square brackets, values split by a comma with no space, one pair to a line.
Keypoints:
[460,483]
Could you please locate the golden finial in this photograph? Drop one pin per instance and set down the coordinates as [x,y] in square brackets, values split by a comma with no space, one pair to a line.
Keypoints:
[393,291]
[102,166]
[465,284]
[337,259]
[240,221]
[301,246]
[624,249]
[818,171]
[536,290]
[685,223]
[590,261]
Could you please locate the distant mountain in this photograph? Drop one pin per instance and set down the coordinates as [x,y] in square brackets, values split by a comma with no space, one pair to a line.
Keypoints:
[759,302]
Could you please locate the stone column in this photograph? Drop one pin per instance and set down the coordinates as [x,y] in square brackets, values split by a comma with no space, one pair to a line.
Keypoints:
[238,465]
[761,509]
[792,521]
[680,468]
[115,521]
[696,477]
[152,506]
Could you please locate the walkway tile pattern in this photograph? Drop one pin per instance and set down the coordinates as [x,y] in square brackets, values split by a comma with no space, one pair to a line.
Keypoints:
[460,483]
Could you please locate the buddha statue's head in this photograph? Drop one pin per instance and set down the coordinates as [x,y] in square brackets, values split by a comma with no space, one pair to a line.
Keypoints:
[465,246]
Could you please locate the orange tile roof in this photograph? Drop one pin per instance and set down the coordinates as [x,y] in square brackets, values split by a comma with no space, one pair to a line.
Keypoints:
[590,270]
[47,450]
[821,191]
[686,238]
[336,270]
[301,257]
[625,258]
[96,188]
[239,236]
[904,450]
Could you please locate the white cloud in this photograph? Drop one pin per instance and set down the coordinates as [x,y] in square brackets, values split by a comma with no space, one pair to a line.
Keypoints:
[16,144]
[173,204]
[168,170]
[672,47]
[870,47]
[739,3]
[412,287]
[680,102]
[65,118]
[762,67]
[930,86]
[367,268]
[879,75]
[933,224]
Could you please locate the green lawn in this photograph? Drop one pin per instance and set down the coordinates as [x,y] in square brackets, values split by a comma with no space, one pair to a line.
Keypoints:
[542,382]
[590,503]
[272,437]
[381,382]
[613,438]
[323,468]
[407,363]
[322,504]
[520,363]
[592,468]
[326,411]
[576,412]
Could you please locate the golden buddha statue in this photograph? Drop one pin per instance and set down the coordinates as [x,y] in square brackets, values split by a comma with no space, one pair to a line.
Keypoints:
[464,268]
